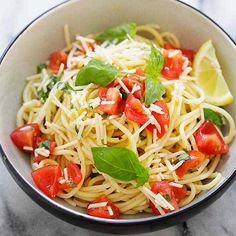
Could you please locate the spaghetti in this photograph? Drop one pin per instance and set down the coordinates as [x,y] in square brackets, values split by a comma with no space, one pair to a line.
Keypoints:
[71,115]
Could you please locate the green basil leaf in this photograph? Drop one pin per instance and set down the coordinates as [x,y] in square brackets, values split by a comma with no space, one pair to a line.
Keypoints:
[124,94]
[40,67]
[167,197]
[213,117]
[142,137]
[155,62]
[154,89]
[45,144]
[183,157]
[67,88]
[96,72]
[119,33]
[120,163]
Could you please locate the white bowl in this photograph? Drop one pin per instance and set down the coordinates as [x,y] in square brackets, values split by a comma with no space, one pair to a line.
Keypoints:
[45,34]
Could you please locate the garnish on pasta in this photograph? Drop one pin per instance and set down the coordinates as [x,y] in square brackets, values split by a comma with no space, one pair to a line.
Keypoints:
[118,123]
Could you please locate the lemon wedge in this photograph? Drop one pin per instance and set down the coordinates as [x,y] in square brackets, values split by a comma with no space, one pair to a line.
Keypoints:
[206,69]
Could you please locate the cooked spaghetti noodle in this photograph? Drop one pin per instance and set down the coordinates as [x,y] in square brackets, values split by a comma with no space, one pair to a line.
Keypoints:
[74,121]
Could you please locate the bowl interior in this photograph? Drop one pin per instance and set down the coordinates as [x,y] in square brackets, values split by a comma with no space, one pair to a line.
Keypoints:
[90,16]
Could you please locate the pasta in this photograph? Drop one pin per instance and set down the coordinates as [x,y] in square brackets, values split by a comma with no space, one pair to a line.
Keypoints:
[71,115]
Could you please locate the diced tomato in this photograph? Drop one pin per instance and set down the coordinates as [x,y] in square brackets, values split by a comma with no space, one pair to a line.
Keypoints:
[139,71]
[102,212]
[52,146]
[130,82]
[196,159]
[189,53]
[162,119]
[25,136]
[64,186]
[110,94]
[56,59]
[173,65]
[165,190]
[46,179]
[180,193]
[74,172]
[134,110]
[209,140]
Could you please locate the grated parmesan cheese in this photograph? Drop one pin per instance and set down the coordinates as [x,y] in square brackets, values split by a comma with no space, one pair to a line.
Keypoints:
[28,148]
[176,185]
[96,205]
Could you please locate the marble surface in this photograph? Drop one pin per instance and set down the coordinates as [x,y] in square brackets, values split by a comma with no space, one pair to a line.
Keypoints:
[19,215]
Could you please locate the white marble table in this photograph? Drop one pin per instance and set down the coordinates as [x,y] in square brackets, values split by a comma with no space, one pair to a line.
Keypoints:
[19,215]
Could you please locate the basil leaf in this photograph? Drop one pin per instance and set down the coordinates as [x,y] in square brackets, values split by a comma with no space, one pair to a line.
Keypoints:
[183,157]
[142,137]
[213,117]
[45,144]
[119,33]
[155,62]
[40,67]
[124,94]
[167,197]
[96,72]
[154,89]
[120,163]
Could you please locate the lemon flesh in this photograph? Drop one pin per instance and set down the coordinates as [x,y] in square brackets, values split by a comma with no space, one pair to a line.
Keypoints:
[206,69]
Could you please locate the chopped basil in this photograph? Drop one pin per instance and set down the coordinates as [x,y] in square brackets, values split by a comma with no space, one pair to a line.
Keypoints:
[43,95]
[154,89]
[67,88]
[76,129]
[124,94]
[40,67]
[142,137]
[118,33]
[183,157]
[213,117]
[104,116]
[93,175]
[45,144]
[167,197]
[120,163]
[96,72]
[72,184]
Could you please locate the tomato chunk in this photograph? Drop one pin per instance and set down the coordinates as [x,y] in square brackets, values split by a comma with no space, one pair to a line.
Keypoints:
[47,144]
[173,65]
[74,172]
[162,119]
[56,59]
[110,95]
[139,71]
[166,191]
[209,140]
[103,212]
[189,53]
[196,159]
[180,193]
[46,179]
[130,82]
[25,137]
[134,110]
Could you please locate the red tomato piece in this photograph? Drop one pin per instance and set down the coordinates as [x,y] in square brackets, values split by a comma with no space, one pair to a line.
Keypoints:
[37,159]
[134,110]
[74,172]
[189,53]
[139,71]
[209,140]
[173,65]
[46,179]
[164,189]
[196,160]
[56,59]
[180,193]
[112,95]
[25,136]
[130,82]
[102,212]
[162,119]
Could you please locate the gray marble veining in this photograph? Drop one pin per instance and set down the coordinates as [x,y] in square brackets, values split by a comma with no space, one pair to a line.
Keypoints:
[19,215]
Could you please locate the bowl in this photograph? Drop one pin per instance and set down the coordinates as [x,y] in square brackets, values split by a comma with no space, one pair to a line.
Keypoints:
[45,34]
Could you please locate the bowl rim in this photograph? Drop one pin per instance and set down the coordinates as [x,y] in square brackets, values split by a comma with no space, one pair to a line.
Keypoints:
[59,210]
